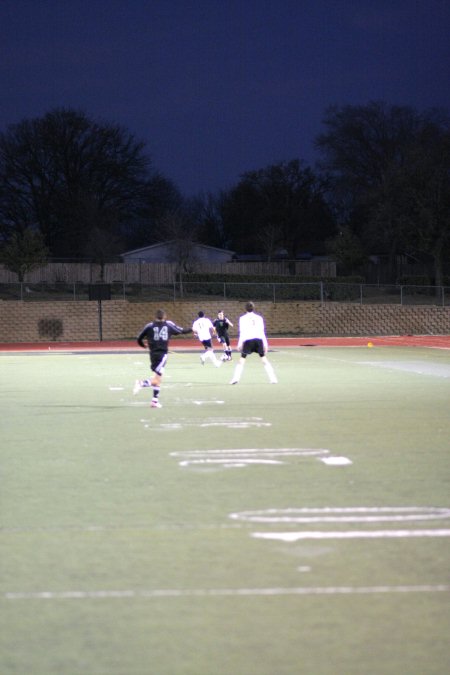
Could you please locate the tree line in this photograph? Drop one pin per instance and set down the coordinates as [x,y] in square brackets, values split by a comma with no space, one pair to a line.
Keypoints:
[71,187]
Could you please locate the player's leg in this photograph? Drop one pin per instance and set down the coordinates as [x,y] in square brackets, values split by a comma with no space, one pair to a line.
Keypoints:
[204,356]
[158,363]
[223,342]
[227,348]
[269,370]
[239,367]
[156,384]
[213,358]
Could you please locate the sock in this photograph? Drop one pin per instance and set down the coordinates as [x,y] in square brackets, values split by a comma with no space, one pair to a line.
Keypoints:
[155,393]
[270,373]
[238,372]
[145,383]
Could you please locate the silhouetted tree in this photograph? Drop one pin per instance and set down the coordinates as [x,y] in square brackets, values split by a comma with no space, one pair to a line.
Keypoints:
[24,252]
[346,248]
[374,155]
[281,206]
[69,174]
[423,192]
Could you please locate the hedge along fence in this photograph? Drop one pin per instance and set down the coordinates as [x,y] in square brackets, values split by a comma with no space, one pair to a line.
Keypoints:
[270,287]
[269,278]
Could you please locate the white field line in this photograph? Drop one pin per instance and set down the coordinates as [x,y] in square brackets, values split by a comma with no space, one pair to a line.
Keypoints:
[223,592]
[243,457]
[359,514]
[236,463]
[356,534]
[239,452]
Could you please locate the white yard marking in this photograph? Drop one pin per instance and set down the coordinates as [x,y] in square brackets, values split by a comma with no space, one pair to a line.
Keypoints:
[336,461]
[358,534]
[235,424]
[360,514]
[209,402]
[229,463]
[222,592]
[214,422]
[116,388]
[241,457]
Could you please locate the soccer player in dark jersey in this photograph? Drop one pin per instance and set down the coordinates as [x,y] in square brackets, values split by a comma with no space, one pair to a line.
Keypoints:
[221,324]
[156,335]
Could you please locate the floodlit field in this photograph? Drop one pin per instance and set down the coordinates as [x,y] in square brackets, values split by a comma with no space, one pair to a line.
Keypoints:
[292,529]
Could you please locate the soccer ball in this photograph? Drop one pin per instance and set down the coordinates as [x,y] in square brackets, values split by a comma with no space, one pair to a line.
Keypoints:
[224,358]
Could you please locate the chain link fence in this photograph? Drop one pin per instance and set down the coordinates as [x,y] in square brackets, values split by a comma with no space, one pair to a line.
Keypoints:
[273,292]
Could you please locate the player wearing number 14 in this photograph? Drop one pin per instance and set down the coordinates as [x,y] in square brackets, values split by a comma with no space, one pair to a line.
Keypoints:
[156,335]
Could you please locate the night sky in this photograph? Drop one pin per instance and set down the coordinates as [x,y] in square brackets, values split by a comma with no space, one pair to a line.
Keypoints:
[219,87]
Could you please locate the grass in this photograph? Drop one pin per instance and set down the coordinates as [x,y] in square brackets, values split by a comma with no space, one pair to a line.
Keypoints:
[94,501]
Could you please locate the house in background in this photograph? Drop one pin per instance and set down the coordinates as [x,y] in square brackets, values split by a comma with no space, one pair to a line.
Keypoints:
[177,251]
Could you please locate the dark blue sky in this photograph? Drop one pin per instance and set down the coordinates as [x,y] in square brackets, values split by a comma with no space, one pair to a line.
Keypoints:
[219,87]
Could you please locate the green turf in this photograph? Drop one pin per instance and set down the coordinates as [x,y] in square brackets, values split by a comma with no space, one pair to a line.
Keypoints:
[94,500]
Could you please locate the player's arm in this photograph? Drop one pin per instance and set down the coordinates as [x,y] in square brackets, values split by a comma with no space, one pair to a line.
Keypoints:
[177,330]
[264,339]
[212,328]
[142,337]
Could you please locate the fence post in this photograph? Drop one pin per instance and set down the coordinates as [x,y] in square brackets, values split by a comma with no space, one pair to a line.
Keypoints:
[401,295]
[321,292]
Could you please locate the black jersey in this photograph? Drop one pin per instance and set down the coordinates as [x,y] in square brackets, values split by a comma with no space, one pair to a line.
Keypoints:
[158,334]
[221,326]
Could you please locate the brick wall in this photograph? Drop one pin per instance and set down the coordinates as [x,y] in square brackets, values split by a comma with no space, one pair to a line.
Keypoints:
[79,321]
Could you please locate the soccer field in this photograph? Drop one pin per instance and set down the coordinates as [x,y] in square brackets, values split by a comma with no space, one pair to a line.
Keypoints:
[301,528]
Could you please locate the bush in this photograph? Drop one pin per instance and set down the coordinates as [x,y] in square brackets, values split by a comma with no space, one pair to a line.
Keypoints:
[203,277]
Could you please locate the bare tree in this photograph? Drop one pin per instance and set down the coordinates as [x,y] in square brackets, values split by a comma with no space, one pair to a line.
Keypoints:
[24,252]
[67,174]
[389,169]
[284,201]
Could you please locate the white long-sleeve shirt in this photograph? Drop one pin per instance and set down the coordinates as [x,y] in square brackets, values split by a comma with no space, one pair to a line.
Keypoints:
[251,326]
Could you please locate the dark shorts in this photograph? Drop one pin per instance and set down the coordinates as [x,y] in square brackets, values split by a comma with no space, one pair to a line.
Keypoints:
[158,360]
[207,344]
[254,346]
[224,339]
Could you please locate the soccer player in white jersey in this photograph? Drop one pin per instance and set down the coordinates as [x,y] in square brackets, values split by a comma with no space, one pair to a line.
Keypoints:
[252,339]
[202,328]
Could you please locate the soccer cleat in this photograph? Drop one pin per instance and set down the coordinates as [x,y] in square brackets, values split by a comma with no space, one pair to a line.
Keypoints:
[155,404]
[136,388]
[202,360]
[234,381]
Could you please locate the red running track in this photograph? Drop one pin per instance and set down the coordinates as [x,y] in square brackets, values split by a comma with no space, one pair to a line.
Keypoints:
[435,341]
